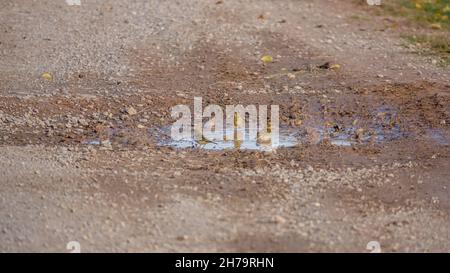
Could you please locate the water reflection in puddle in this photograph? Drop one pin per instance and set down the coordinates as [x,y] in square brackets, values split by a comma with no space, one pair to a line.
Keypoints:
[289,137]
[91,142]
[437,136]
[341,142]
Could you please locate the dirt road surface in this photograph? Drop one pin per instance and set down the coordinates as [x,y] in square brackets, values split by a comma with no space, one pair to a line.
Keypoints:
[80,159]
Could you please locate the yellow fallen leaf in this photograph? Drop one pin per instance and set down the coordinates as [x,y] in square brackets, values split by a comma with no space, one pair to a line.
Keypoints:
[335,66]
[436,26]
[267,59]
[47,76]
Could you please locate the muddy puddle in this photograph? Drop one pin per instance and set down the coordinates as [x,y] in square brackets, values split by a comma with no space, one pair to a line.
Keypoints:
[381,126]
[289,137]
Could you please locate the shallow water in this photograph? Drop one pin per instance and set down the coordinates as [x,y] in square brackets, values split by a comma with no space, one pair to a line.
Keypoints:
[289,137]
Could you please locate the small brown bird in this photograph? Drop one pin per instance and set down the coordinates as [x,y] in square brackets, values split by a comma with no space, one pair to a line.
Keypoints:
[265,136]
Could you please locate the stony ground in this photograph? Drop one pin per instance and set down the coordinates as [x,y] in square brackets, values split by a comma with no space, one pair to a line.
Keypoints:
[83,89]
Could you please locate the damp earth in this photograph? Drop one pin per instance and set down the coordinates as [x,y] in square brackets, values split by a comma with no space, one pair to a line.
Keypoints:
[86,155]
